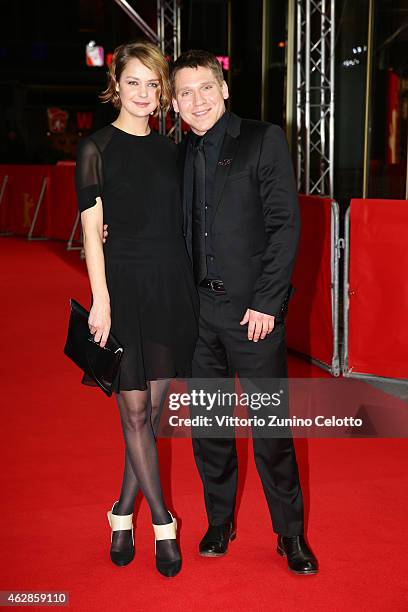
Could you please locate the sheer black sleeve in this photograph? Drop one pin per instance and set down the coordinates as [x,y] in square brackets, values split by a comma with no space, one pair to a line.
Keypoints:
[88,174]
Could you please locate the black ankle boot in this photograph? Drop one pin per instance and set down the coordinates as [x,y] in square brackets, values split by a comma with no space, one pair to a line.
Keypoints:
[166,532]
[121,523]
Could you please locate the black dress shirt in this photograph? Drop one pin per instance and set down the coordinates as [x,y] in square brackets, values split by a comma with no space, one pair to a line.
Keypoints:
[212,142]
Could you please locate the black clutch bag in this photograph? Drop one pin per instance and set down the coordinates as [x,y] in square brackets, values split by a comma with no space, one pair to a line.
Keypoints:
[100,364]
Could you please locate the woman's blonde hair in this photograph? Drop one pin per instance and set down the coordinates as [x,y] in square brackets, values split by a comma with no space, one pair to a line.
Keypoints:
[151,57]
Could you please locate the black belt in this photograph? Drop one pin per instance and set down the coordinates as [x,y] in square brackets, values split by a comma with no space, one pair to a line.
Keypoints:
[217,286]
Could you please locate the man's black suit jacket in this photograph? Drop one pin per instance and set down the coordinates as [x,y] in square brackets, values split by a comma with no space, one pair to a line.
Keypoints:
[256,222]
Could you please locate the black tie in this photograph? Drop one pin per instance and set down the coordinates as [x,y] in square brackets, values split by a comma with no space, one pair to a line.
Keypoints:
[198,229]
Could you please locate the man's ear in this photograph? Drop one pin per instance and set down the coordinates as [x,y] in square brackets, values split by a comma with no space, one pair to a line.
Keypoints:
[224,89]
[175,105]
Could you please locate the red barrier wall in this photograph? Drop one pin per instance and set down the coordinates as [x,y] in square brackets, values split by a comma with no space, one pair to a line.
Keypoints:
[378,293]
[21,196]
[5,212]
[58,209]
[309,320]
[63,201]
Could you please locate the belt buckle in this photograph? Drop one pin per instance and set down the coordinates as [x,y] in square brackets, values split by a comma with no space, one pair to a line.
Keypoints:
[212,285]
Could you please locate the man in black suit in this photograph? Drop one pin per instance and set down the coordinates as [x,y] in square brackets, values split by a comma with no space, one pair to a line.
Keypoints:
[242,227]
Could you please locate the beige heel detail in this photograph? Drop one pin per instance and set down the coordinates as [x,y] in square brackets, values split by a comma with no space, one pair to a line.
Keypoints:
[165,532]
[119,522]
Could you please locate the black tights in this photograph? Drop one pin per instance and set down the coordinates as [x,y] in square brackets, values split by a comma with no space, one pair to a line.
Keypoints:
[140,413]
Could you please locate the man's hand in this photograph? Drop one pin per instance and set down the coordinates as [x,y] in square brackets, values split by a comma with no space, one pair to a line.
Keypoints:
[259,324]
[105,233]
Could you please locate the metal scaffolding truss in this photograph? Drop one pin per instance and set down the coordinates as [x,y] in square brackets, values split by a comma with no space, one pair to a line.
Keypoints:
[168,27]
[138,20]
[169,33]
[168,39]
[315,96]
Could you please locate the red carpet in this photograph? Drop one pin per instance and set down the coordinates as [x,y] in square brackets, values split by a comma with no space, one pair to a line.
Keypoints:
[62,462]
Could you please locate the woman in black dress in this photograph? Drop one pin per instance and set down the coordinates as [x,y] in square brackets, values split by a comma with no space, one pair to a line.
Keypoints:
[141,280]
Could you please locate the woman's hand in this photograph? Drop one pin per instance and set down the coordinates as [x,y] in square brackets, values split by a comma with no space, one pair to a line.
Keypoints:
[99,321]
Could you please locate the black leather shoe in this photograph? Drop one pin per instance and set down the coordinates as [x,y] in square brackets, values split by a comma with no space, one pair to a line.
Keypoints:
[216,540]
[301,560]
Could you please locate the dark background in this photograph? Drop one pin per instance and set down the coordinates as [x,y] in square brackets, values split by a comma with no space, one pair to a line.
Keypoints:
[42,64]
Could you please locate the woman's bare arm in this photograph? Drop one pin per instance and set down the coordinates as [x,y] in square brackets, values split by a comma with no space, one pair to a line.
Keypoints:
[99,316]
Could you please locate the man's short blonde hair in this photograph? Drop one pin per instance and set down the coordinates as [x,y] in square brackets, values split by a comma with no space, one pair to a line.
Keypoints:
[193,59]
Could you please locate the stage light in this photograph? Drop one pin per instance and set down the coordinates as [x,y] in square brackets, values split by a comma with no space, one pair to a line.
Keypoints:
[349,63]
[224,61]
[94,54]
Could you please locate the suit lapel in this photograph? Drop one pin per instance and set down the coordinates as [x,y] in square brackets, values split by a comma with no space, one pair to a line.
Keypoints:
[181,160]
[181,157]
[228,151]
